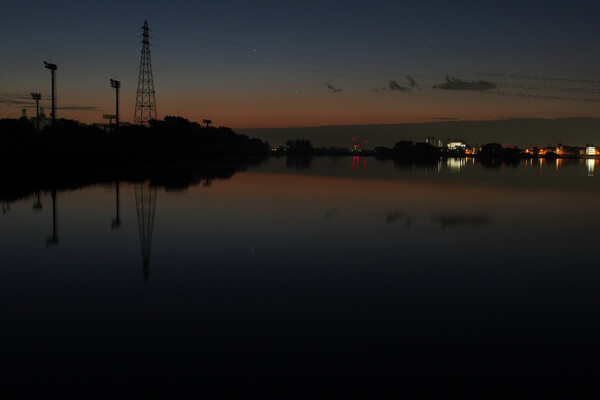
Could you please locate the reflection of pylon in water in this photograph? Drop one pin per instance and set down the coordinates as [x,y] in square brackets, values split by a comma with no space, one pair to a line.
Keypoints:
[145,202]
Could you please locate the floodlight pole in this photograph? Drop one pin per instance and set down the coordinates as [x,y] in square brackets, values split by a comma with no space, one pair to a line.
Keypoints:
[116,85]
[52,68]
[37,97]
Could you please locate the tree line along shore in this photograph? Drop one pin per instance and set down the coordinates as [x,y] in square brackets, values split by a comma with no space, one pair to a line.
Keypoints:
[175,139]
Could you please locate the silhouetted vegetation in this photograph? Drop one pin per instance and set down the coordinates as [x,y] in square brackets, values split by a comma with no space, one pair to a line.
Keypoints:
[304,147]
[76,145]
[493,155]
[299,146]
[406,150]
[13,130]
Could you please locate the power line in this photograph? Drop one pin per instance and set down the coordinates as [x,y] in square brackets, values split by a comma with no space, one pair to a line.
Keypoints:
[332,61]
[369,43]
[534,96]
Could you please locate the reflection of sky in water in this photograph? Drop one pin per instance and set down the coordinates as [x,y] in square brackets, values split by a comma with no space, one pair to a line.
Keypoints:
[298,267]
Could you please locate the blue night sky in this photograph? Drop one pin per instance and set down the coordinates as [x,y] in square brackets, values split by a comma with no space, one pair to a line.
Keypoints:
[277,64]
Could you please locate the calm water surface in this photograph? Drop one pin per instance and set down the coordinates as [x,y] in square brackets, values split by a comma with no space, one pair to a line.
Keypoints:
[319,267]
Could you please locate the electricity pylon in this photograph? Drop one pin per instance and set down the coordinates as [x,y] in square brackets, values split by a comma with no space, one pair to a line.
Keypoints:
[145,101]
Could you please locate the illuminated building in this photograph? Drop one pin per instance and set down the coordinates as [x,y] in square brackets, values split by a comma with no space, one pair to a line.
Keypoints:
[591,150]
[546,150]
[533,150]
[472,149]
[456,145]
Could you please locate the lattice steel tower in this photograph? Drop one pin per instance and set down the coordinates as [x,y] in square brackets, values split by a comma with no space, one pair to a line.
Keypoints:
[145,101]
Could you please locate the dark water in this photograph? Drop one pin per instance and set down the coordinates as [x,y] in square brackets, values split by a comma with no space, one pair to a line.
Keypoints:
[308,267]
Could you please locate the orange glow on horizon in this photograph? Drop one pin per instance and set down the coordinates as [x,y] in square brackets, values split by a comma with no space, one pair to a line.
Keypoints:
[279,111]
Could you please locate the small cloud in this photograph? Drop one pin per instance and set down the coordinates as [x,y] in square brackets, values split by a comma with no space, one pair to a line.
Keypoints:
[457,84]
[17,100]
[393,85]
[22,97]
[453,221]
[333,89]
[331,214]
[412,83]
[392,217]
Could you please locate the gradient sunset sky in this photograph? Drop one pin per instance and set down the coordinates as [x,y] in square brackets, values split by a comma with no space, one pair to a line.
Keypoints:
[252,64]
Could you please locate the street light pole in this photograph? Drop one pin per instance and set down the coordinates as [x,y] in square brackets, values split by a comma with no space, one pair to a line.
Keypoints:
[116,85]
[52,68]
[37,97]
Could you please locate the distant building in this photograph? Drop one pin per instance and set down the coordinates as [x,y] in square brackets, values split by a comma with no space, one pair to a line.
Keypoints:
[434,142]
[591,150]
[456,144]
[532,150]
[569,151]
[472,149]
[44,122]
[546,150]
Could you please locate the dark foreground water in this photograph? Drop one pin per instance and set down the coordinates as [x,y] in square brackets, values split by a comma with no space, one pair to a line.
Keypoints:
[308,267]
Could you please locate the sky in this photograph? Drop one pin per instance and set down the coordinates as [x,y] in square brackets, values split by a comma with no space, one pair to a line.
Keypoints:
[273,64]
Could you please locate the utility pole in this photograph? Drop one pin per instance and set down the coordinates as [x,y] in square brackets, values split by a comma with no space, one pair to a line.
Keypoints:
[52,68]
[37,97]
[145,101]
[116,85]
